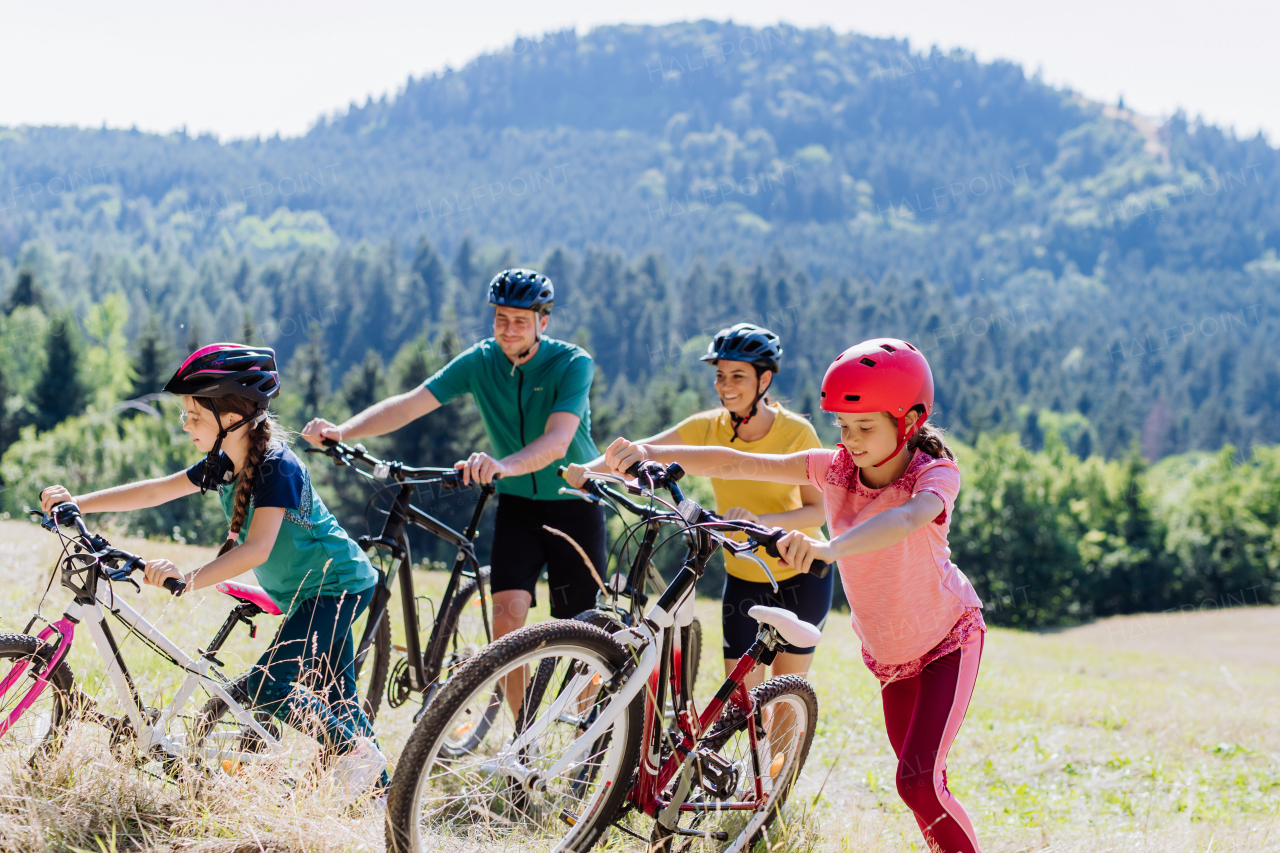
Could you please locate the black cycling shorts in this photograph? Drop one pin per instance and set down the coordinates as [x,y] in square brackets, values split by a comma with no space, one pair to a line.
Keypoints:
[804,595]
[521,547]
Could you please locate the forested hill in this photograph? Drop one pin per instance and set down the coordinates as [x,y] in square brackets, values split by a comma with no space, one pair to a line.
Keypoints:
[846,151]
[1061,261]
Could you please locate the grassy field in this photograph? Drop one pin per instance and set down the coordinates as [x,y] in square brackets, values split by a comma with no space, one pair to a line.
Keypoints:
[1158,733]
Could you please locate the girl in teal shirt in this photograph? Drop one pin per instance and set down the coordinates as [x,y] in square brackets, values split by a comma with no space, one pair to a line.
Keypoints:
[306,563]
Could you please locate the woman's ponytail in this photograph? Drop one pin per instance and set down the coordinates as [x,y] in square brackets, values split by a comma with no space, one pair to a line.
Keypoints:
[260,437]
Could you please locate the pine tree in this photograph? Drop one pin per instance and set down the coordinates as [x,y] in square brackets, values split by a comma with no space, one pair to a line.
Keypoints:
[248,336]
[60,392]
[25,292]
[430,283]
[151,363]
[314,371]
[464,264]
[364,383]
[8,423]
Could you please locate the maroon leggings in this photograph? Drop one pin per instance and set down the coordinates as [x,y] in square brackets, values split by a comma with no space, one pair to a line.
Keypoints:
[922,715]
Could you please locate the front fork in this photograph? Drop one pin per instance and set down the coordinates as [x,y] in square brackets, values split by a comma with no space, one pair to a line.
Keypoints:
[65,630]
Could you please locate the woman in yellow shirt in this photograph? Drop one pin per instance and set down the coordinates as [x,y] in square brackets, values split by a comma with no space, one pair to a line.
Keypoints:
[746,359]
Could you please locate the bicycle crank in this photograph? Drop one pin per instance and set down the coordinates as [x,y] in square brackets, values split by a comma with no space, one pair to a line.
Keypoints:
[398,687]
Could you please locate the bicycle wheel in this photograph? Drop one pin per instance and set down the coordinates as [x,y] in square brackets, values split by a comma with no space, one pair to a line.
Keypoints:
[477,795]
[726,772]
[40,730]
[690,654]
[220,740]
[463,626]
[371,678]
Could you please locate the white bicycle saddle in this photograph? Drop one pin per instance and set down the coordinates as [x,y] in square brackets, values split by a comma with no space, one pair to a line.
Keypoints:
[794,630]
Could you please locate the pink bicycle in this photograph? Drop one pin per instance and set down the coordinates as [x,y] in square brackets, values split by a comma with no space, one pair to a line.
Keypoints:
[39,699]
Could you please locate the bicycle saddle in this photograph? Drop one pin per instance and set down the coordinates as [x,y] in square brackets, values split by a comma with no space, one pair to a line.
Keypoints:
[793,629]
[258,596]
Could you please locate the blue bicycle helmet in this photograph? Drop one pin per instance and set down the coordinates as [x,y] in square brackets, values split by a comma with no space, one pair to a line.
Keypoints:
[746,342]
[522,288]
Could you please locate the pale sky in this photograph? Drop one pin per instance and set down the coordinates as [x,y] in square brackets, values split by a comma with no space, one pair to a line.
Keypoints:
[240,68]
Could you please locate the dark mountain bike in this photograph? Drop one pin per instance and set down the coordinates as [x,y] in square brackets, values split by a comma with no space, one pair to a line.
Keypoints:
[462,623]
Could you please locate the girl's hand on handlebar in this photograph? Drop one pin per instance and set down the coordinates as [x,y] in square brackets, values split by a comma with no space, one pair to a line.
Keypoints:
[318,429]
[157,570]
[480,467]
[737,513]
[622,454]
[54,495]
[800,551]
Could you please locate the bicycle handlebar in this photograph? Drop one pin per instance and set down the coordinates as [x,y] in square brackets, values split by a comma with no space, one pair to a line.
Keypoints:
[122,563]
[346,454]
[758,535]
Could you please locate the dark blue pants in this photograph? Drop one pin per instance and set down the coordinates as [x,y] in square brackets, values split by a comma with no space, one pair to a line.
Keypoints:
[307,677]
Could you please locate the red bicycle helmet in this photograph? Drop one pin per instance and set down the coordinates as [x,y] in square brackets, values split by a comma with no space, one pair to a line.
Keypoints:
[880,375]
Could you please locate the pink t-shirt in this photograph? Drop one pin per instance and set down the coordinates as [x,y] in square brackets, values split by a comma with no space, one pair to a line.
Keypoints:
[906,598]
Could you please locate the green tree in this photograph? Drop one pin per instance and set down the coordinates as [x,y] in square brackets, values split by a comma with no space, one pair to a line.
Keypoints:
[313,374]
[25,292]
[61,390]
[364,384]
[152,361]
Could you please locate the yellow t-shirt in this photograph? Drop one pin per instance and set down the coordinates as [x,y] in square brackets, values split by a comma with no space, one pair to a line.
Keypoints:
[790,433]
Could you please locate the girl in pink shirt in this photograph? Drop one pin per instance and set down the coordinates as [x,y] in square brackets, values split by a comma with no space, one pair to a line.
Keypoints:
[889,490]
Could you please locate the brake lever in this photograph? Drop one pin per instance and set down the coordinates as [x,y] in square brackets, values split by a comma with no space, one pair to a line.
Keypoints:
[578,493]
[747,554]
[124,575]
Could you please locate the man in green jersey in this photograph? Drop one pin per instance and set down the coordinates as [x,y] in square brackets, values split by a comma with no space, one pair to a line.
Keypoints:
[533,394]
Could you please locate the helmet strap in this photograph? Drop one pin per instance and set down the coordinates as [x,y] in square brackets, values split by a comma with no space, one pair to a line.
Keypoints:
[903,438]
[739,420]
[537,338]
[210,478]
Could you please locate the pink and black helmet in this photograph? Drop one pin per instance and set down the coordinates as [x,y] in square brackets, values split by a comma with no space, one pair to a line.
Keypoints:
[225,370]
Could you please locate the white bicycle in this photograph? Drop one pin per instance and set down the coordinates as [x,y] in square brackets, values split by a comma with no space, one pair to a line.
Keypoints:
[39,699]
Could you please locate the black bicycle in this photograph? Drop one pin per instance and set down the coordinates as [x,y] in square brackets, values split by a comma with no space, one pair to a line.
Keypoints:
[461,625]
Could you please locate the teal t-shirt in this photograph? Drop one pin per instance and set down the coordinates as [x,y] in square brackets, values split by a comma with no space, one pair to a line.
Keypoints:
[309,538]
[515,404]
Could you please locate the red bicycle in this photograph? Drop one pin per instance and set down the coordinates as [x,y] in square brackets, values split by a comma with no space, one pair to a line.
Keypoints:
[591,747]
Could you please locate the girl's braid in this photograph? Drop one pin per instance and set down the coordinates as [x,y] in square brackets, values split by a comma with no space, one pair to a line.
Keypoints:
[259,442]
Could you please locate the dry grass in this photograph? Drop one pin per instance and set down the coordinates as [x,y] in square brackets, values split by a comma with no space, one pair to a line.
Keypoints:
[1072,743]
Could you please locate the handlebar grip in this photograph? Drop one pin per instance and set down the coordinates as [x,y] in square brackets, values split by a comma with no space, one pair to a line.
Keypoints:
[175,586]
[329,442]
[561,471]
[822,572]
[634,470]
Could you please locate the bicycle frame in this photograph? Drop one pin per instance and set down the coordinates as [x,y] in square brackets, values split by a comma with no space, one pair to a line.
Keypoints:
[654,637]
[424,669]
[149,734]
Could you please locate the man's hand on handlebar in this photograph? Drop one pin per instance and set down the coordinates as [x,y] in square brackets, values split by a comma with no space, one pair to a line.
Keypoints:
[480,467]
[54,495]
[576,475]
[157,570]
[318,429]
[800,551]
[623,454]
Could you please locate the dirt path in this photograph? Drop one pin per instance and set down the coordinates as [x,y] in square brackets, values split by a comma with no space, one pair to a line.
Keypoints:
[1249,635]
